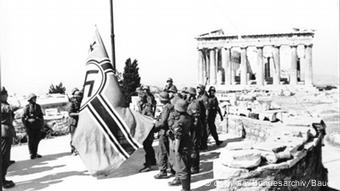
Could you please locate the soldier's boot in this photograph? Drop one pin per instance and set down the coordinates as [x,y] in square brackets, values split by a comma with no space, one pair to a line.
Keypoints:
[186,184]
[175,182]
[161,175]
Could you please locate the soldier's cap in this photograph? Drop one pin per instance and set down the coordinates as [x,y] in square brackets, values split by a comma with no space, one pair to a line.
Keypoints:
[164,96]
[201,86]
[192,91]
[31,96]
[181,105]
[74,90]
[146,87]
[212,88]
[78,94]
[169,80]
[173,89]
[184,90]
[3,91]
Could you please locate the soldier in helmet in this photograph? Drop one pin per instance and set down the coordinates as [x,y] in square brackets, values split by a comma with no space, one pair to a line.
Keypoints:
[180,143]
[148,108]
[203,98]
[73,110]
[169,85]
[213,109]
[33,121]
[7,135]
[163,131]
[194,110]
[141,99]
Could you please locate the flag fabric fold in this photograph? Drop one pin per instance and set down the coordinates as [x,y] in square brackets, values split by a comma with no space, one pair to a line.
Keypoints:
[107,133]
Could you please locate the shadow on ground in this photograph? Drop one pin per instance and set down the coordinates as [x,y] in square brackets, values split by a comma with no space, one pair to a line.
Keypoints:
[21,168]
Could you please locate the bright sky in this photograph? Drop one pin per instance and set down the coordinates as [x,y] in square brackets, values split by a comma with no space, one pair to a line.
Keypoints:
[46,41]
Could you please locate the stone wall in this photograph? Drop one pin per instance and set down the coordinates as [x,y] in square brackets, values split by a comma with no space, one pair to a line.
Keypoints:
[273,156]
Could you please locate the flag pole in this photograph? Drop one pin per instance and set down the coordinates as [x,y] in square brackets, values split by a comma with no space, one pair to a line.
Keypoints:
[112,38]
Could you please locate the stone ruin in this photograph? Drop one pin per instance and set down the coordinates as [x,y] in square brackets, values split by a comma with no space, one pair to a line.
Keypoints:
[280,151]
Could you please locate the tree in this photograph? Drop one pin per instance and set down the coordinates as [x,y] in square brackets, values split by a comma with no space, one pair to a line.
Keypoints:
[131,79]
[58,89]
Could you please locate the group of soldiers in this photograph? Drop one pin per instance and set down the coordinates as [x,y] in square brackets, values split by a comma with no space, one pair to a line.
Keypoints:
[183,127]
[33,122]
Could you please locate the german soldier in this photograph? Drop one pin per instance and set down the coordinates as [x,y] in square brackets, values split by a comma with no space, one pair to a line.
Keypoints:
[148,108]
[213,109]
[33,121]
[163,131]
[169,85]
[203,98]
[7,134]
[73,111]
[181,144]
[194,110]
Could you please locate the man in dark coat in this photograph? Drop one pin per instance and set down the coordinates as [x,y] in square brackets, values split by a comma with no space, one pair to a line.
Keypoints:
[7,135]
[203,98]
[213,109]
[73,111]
[33,121]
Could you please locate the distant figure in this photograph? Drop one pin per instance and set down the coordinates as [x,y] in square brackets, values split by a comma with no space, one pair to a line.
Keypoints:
[202,97]
[148,107]
[213,109]
[7,135]
[33,121]
[169,85]
[73,111]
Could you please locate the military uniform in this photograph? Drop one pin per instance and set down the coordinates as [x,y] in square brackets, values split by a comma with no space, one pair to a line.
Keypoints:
[162,127]
[7,135]
[196,133]
[213,109]
[73,111]
[33,121]
[148,109]
[203,99]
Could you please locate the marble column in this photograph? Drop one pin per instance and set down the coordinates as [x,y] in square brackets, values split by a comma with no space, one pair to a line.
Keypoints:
[277,67]
[260,67]
[243,66]
[207,66]
[200,63]
[309,66]
[213,68]
[293,66]
[233,68]
[226,64]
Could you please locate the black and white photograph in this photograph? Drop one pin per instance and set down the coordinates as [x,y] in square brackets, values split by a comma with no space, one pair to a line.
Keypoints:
[173,95]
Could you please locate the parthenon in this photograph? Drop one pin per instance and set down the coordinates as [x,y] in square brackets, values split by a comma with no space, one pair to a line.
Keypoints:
[255,59]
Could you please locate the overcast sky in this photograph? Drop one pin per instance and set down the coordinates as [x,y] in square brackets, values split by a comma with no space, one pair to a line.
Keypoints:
[46,41]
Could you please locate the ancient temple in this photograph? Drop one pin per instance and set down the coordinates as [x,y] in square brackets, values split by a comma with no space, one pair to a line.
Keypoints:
[255,59]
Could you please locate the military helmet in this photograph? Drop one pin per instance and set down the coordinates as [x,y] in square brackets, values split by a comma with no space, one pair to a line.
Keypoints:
[164,96]
[172,89]
[184,90]
[192,91]
[169,80]
[212,88]
[181,105]
[201,86]
[74,90]
[3,91]
[31,96]
[146,87]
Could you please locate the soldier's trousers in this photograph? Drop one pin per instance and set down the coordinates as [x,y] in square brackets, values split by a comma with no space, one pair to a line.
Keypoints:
[196,139]
[181,162]
[204,134]
[212,127]
[6,143]
[72,129]
[150,158]
[164,152]
[34,137]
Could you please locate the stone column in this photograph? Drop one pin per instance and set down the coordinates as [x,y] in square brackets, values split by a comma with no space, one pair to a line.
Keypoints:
[233,68]
[309,66]
[243,66]
[293,66]
[226,64]
[200,63]
[213,70]
[207,66]
[260,67]
[277,67]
